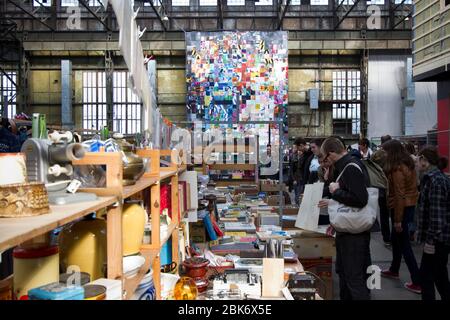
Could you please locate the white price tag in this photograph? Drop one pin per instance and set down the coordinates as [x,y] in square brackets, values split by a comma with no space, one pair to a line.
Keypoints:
[73,186]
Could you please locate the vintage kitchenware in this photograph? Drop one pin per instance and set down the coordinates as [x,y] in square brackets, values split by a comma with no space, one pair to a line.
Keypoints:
[83,244]
[133,227]
[113,288]
[34,266]
[13,169]
[201,283]
[56,291]
[82,277]
[185,289]
[94,292]
[132,265]
[168,282]
[146,289]
[23,200]
[169,268]
[196,266]
[134,166]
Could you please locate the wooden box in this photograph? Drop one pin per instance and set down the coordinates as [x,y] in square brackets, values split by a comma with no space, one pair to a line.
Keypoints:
[272,187]
[308,244]
[323,268]
[23,200]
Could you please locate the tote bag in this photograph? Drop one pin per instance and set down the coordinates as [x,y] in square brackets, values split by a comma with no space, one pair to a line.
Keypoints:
[350,219]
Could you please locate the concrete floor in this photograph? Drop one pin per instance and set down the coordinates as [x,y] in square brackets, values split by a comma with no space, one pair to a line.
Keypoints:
[390,289]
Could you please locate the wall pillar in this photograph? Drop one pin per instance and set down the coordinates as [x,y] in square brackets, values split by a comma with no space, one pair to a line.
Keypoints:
[443,126]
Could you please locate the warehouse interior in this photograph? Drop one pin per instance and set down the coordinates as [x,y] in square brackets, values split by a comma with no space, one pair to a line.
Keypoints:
[125,89]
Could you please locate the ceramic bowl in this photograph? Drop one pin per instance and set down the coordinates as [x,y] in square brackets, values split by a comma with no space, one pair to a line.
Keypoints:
[196,267]
[132,265]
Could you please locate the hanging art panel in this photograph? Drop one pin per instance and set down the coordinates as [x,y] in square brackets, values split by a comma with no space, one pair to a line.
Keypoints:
[235,76]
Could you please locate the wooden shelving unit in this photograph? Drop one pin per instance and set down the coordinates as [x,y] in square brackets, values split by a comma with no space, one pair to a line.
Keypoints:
[233,147]
[14,231]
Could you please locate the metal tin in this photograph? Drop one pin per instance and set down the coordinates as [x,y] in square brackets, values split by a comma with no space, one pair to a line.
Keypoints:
[34,266]
[84,277]
[56,291]
[94,292]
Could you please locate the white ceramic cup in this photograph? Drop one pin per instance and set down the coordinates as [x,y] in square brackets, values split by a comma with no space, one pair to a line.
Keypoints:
[12,168]
[168,282]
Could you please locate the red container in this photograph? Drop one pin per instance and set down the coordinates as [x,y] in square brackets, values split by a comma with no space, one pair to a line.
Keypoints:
[196,267]
[201,283]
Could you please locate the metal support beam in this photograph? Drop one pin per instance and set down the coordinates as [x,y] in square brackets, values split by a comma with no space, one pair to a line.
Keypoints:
[84,3]
[157,14]
[8,76]
[400,4]
[220,14]
[109,69]
[283,14]
[403,19]
[355,3]
[30,14]
[66,94]
[340,5]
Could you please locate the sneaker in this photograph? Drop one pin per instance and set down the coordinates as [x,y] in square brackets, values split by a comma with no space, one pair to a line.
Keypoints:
[389,274]
[413,288]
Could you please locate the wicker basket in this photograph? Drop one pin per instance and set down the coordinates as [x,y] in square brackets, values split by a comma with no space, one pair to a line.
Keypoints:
[23,200]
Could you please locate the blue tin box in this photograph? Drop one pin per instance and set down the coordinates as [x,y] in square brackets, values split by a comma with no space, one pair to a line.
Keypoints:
[56,291]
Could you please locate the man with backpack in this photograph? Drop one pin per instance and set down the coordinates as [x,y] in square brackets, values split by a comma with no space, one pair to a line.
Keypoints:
[378,179]
[352,249]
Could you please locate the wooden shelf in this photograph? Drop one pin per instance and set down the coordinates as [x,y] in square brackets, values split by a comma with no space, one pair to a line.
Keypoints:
[233,182]
[14,231]
[140,185]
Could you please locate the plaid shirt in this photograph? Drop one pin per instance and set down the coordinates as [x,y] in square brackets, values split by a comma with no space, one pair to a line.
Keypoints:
[434,208]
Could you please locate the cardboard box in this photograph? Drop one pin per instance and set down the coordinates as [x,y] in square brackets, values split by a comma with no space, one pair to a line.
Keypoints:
[308,244]
[271,187]
[288,210]
[323,268]
[251,190]
[288,224]
[271,219]
[274,200]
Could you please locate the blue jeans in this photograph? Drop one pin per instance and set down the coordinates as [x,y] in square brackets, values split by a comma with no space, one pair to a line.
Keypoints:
[401,246]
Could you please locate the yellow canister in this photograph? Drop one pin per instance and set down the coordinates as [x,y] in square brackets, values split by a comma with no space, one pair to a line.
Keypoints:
[84,245]
[34,266]
[133,226]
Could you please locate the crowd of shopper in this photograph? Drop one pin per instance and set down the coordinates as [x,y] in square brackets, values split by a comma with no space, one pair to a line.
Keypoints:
[414,206]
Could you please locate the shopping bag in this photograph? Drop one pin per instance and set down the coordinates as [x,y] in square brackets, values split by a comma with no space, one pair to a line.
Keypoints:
[350,219]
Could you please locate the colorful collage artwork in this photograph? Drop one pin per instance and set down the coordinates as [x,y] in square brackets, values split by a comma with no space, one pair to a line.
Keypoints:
[231,73]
